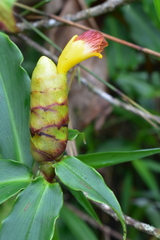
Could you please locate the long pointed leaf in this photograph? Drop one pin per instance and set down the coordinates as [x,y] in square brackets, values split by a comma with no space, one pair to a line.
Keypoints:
[34,213]
[81,177]
[146,175]
[104,159]
[14,104]
[157,7]
[135,16]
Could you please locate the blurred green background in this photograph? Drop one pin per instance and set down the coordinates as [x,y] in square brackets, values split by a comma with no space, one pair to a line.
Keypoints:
[135,184]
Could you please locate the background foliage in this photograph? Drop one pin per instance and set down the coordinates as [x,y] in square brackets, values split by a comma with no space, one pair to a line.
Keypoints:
[137,75]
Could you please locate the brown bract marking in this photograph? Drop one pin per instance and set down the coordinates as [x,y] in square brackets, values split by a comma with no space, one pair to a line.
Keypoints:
[48,107]
[54,154]
[85,184]
[27,206]
[34,111]
[48,89]
[59,125]
[32,131]
[47,156]
[39,133]
[47,135]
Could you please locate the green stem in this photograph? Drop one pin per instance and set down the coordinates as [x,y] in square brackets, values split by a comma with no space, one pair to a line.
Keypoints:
[47,171]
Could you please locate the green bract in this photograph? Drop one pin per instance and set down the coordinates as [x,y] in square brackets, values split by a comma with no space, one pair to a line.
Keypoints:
[48,112]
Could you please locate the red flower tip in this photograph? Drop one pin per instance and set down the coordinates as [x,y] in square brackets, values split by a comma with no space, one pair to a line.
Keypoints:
[94,39]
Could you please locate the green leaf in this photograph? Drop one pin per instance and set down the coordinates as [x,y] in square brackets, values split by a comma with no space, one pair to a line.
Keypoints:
[153,165]
[153,214]
[135,16]
[86,204]
[127,194]
[77,226]
[146,175]
[105,159]
[56,234]
[14,104]
[79,176]
[89,2]
[116,52]
[14,176]
[34,213]
[6,15]
[157,7]
[73,134]
[150,10]
[136,84]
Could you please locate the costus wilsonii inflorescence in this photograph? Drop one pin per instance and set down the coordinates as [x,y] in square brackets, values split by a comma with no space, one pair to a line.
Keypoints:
[49,96]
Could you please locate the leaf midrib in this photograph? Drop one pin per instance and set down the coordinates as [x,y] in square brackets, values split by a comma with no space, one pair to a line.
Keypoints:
[118,212]
[13,125]
[15,181]
[87,184]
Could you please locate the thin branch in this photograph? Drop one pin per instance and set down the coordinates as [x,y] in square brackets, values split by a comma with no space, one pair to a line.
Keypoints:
[130,221]
[100,9]
[92,222]
[119,103]
[56,21]
[38,47]
[108,6]
[96,90]
[137,47]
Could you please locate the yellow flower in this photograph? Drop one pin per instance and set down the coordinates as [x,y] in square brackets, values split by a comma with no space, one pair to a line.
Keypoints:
[80,48]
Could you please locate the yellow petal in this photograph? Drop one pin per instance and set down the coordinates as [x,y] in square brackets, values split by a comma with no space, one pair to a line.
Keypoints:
[80,48]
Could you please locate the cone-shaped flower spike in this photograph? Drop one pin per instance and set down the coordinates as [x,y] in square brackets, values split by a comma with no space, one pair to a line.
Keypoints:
[49,96]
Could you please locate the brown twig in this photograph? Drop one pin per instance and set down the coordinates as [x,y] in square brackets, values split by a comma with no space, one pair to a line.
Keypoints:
[130,221]
[137,47]
[38,47]
[84,14]
[119,103]
[93,223]
[100,9]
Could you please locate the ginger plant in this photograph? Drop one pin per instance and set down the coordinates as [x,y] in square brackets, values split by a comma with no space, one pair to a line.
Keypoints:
[37,207]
